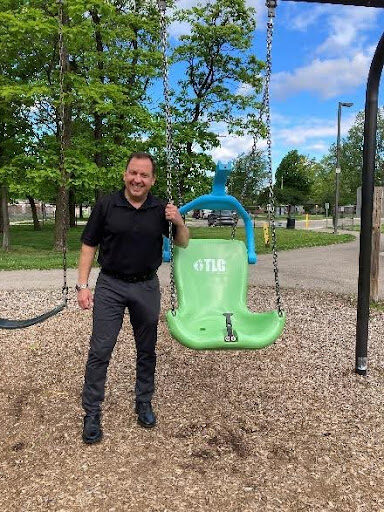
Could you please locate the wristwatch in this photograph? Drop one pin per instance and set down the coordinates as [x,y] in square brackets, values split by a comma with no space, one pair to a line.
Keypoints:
[79,287]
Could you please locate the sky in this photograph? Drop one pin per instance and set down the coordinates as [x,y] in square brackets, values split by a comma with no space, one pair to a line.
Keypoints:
[321,55]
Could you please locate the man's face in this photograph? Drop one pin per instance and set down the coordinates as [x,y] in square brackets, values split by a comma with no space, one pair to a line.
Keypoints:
[139,178]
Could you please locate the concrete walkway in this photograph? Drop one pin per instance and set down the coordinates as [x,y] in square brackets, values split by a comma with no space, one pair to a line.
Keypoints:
[332,268]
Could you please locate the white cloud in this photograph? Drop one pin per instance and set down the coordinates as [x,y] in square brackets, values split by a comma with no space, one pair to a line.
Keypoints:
[302,18]
[327,78]
[245,90]
[179,28]
[306,131]
[320,147]
[176,29]
[231,147]
[309,135]
[346,30]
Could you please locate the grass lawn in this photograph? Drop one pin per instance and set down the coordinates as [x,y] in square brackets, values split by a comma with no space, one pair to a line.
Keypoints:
[286,238]
[357,228]
[283,218]
[33,249]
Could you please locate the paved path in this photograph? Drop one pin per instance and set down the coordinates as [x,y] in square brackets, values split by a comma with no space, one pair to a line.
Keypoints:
[332,268]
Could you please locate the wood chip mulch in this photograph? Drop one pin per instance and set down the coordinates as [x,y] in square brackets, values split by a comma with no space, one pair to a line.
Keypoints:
[287,428]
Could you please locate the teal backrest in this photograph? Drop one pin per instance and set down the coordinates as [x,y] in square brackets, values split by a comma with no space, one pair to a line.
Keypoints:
[211,275]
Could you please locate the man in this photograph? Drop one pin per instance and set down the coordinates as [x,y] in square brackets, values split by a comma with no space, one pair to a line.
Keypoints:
[127,226]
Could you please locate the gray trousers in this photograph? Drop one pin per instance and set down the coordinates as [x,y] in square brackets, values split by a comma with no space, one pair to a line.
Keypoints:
[111,298]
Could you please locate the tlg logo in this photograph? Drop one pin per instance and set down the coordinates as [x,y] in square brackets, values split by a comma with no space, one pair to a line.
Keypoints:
[210,265]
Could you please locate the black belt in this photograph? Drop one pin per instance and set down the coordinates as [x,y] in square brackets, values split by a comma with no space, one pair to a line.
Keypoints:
[130,278]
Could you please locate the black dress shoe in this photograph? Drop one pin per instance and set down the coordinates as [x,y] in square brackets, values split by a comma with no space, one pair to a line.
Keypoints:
[146,417]
[92,432]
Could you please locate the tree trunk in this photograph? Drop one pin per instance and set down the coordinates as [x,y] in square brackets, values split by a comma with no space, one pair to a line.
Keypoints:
[1,216]
[72,209]
[36,222]
[5,217]
[81,216]
[61,218]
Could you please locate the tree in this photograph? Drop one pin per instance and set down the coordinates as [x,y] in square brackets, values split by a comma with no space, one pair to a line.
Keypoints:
[293,180]
[323,187]
[250,171]
[111,59]
[351,162]
[222,80]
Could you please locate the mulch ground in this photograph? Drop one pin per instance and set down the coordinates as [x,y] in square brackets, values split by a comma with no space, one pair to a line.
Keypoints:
[287,428]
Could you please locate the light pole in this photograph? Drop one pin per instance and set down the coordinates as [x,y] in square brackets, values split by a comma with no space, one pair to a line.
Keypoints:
[338,170]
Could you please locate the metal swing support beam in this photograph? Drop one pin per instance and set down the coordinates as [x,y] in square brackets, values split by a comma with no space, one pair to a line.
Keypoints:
[367,190]
[361,3]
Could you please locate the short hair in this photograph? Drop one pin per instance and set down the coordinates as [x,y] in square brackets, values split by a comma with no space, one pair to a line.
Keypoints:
[142,155]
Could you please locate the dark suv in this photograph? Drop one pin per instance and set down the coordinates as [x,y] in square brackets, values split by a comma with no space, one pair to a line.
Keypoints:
[221,218]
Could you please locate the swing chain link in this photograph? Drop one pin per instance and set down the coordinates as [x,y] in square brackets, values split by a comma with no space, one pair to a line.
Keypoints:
[265,111]
[170,160]
[266,104]
[271,4]
[62,144]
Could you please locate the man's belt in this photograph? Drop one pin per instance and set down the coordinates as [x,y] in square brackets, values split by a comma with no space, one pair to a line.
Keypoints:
[130,278]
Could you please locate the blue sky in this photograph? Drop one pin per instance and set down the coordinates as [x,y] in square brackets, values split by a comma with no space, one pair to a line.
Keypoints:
[321,55]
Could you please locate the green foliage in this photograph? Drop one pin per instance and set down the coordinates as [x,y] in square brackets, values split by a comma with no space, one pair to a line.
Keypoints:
[351,163]
[294,179]
[221,84]
[114,61]
[219,63]
[250,171]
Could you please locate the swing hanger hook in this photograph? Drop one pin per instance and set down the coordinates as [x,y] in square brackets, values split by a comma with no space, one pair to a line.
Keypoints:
[162,5]
[271,4]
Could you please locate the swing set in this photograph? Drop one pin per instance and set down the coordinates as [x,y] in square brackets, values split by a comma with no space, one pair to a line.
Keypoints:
[216,270]
[6,323]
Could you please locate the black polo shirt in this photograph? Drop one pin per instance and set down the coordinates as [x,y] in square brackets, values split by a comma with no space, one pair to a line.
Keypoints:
[130,239]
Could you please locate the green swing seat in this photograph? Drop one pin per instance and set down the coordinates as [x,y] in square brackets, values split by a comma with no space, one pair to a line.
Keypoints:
[211,278]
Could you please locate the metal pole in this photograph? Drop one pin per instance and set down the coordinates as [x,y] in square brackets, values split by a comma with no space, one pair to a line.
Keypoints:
[369,153]
[337,170]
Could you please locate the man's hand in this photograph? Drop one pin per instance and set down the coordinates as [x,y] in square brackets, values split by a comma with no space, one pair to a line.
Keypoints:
[172,213]
[85,298]
[182,233]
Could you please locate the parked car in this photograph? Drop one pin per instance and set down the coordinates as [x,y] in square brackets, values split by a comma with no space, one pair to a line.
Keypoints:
[221,218]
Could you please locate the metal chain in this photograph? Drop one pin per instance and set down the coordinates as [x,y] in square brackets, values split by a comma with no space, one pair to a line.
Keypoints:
[180,198]
[62,149]
[169,142]
[242,195]
[271,14]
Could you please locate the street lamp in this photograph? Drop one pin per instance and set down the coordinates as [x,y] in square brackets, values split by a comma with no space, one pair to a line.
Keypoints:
[338,170]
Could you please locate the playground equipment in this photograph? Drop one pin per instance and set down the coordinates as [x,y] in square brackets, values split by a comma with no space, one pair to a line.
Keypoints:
[209,277]
[21,324]
[211,282]
[219,200]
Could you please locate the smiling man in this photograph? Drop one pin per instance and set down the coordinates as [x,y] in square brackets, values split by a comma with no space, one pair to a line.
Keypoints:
[127,226]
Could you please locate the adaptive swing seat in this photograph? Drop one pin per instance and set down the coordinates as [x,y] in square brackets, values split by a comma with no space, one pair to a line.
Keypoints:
[211,278]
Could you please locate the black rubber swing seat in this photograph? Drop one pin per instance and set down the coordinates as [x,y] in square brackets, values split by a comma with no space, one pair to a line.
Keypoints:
[21,324]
